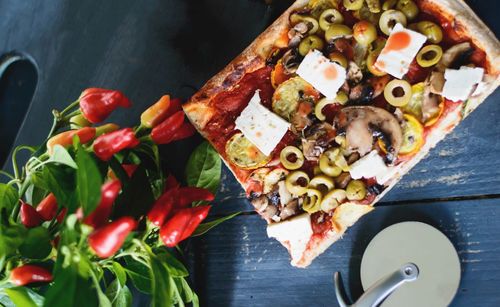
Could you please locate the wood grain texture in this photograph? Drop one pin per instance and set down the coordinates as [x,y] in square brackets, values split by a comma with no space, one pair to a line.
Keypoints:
[240,266]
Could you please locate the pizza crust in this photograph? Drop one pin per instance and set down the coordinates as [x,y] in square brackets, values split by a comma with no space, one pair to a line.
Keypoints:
[466,23]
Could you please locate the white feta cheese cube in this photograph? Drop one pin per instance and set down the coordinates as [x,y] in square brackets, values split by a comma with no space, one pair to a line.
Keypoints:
[401,48]
[296,231]
[459,83]
[262,127]
[325,76]
[369,166]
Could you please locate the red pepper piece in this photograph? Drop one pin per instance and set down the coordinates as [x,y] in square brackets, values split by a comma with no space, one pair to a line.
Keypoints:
[164,132]
[172,231]
[130,168]
[47,208]
[29,217]
[65,139]
[100,216]
[97,103]
[162,208]
[109,144]
[107,240]
[28,273]
[185,131]
[171,183]
[60,217]
[187,195]
[182,225]
[198,214]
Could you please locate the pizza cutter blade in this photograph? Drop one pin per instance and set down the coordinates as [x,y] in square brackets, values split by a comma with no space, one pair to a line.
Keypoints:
[407,264]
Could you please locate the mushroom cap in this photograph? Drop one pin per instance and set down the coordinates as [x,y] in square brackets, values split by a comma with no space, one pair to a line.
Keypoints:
[363,123]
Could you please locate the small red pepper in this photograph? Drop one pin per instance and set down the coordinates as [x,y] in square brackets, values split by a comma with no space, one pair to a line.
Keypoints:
[107,240]
[171,183]
[28,274]
[100,216]
[97,103]
[60,217]
[159,111]
[47,208]
[65,139]
[109,144]
[185,131]
[182,225]
[29,217]
[187,195]
[164,132]
[162,208]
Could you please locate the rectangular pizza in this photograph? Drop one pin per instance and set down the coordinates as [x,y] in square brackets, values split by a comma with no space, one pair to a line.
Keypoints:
[325,111]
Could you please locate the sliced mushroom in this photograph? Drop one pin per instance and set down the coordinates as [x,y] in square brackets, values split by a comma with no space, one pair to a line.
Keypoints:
[317,139]
[363,123]
[435,82]
[291,61]
[260,203]
[269,212]
[342,180]
[297,33]
[455,56]
[431,100]
[311,150]
[378,84]
[354,73]
[289,210]
[361,94]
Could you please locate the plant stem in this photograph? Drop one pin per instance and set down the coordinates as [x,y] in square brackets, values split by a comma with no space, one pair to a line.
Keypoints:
[7,175]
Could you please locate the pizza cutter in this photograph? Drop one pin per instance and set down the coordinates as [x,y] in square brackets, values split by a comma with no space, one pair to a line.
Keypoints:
[407,264]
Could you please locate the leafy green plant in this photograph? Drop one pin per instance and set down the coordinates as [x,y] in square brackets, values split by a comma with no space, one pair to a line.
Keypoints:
[79,220]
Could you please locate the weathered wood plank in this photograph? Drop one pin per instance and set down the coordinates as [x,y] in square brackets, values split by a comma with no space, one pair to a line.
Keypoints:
[240,266]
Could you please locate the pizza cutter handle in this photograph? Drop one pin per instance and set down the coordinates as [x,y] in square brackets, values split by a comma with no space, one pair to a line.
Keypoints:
[379,291]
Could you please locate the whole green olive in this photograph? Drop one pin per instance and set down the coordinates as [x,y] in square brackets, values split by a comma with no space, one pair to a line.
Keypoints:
[389,19]
[329,17]
[312,24]
[364,32]
[409,8]
[353,5]
[356,190]
[309,43]
[389,4]
[337,31]
[431,30]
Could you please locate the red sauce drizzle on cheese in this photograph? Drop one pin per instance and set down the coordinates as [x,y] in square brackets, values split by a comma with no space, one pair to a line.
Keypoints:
[397,41]
[330,73]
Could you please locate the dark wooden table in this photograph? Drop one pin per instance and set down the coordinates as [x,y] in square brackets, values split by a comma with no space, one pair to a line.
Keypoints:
[148,48]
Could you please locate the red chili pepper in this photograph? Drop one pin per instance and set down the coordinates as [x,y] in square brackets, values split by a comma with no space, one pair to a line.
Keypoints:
[61,215]
[97,103]
[109,144]
[185,131]
[159,111]
[164,132]
[171,183]
[107,240]
[162,208]
[130,168]
[29,217]
[187,195]
[47,208]
[28,273]
[182,225]
[65,139]
[100,216]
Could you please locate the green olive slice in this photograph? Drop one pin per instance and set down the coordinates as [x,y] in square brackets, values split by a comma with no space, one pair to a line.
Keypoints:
[432,31]
[327,162]
[373,5]
[322,183]
[312,24]
[312,201]
[332,199]
[296,182]
[309,43]
[389,19]
[429,55]
[364,32]
[356,190]
[397,92]
[338,58]
[291,152]
[241,152]
[336,31]
[353,5]
[329,17]
[409,8]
